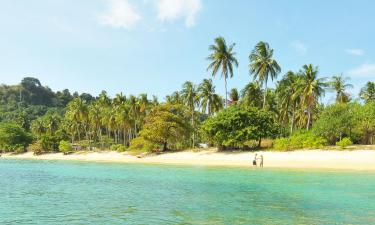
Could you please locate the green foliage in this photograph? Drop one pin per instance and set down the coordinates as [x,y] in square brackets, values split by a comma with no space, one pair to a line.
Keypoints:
[65,147]
[233,127]
[49,143]
[36,147]
[167,125]
[345,142]
[140,144]
[118,147]
[299,140]
[337,121]
[365,123]
[13,137]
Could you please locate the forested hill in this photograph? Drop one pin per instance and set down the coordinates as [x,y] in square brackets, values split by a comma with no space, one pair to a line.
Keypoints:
[29,100]
[31,92]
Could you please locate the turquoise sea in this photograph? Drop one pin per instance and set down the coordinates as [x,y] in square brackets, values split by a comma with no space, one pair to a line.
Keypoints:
[59,192]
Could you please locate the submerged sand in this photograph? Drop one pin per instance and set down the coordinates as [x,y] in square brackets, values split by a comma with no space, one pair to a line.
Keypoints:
[317,159]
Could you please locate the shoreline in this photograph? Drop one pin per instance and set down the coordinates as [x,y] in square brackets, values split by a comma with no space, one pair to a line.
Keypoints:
[357,160]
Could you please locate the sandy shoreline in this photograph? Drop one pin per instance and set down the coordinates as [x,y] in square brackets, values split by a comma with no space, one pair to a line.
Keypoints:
[316,159]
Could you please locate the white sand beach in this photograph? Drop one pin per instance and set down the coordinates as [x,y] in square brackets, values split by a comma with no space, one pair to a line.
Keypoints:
[317,159]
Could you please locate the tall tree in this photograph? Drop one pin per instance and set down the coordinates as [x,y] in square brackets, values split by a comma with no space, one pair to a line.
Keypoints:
[251,95]
[368,92]
[263,66]
[311,88]
[339,85]
[189,95]
[288,98]
[222,58]
[210,102]
[234,96]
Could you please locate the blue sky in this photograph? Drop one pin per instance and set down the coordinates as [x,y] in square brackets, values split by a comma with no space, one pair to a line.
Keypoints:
[153,46]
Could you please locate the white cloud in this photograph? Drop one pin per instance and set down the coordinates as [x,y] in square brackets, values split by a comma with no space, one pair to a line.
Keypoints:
[169,10]
[299,47]
[120,14]
[355,51]
[365,70]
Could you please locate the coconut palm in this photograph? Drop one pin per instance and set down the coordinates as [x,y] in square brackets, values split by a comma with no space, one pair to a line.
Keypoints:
[189,96]
[37,127]
[262,65]
[222,58]
[210,102]
[77,113]
[311,88]
[251,95]
[339,85]
[288,98]
[234,96]
[174,98]
[368,92]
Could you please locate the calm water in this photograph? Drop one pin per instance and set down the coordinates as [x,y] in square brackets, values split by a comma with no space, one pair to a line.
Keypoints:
[51,192]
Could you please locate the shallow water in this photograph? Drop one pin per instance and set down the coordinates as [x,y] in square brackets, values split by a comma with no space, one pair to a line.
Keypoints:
[56,192]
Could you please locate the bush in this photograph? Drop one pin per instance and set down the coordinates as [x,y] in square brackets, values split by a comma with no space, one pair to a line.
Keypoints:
[300,140]
[13,137]
[36,148]
[65,147]
[140,144]
[118,147]
[345,142]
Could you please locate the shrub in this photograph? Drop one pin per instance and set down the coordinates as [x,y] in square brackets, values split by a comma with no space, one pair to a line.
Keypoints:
[140,144]
[299,140]
[36,148]
[65,147]
[118,147]
[345,142]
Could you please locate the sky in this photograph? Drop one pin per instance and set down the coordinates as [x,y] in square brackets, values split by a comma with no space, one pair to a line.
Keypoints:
[154,46]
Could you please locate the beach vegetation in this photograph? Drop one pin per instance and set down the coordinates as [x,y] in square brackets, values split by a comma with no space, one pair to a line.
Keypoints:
[237,125]
[13,138]
[299,140]
[345,142]
[65,147]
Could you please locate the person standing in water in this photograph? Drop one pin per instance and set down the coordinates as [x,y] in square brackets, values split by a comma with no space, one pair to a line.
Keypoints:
[255,160]
[261,161]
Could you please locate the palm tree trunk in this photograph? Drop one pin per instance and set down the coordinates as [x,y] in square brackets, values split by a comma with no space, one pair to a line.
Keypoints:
[124,133]
[265,94]
[292,123]
[192,124]
[308,118]
[226,93]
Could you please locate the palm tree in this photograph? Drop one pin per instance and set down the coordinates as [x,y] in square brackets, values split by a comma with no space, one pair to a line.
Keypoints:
[95,118]
[124,121]
[174,98]
[368,92]
[134,113]
[189,96]
[37,127]
[251,95]
[339,85]
[77,113]
[287,93]
[311,88]
[222,58]
[234,96]
[210,102]
[262,65]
